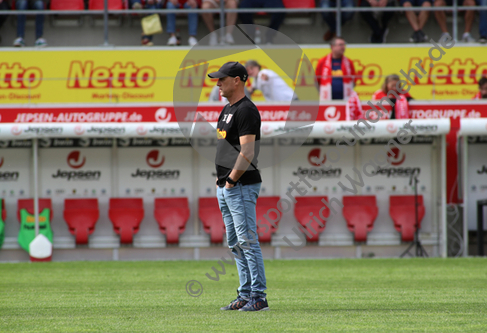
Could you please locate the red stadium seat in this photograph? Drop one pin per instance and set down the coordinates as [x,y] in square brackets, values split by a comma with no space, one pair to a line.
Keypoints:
[126,215]
[81,216]
[4,212]
[302,209]
[100,4]
[211,217]
[67,5]
[28,204]
[360,213]
[264,228]
[402,212]
[299,3]
[172,215]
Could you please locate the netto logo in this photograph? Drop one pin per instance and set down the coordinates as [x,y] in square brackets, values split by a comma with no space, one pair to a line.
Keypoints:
[74,160]
[391,128]
[162,116]
[152,159]
[16,130]
[397,157]
[331,113]
[314,157]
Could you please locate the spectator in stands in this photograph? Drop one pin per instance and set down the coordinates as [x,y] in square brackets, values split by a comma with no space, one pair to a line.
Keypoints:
[149,4]
[272,85]
[482,89]
[330,18]
[417,21]
[135,4]
[192,21]
[24,5]
[276,18]
[482,22]
[469,18]
[335,73]
[379,30]
[3,6]
[231,20]
[400,110]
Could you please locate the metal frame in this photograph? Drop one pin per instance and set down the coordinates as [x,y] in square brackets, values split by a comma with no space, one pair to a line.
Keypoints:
[222,11]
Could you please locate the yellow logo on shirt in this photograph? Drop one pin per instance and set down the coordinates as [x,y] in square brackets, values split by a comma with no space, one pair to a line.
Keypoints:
[32,219]
[337,72]
[221,134]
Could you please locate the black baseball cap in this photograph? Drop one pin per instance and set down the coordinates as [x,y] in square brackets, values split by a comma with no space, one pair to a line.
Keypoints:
[232,69]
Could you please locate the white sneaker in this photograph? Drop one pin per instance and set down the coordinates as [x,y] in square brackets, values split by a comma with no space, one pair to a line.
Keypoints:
[19,42]
[467,38]
[192,41]
[229,39]
[173,41]
[445,35]
[213,39]
[41,42]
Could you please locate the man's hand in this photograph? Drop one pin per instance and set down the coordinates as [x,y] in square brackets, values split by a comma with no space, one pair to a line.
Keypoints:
[228,185]
[382,3]
[264,77]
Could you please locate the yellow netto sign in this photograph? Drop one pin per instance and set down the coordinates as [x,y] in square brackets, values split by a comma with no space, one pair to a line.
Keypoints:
[140,75]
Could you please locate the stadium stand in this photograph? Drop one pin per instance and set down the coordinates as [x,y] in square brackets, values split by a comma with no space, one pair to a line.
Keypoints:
[100,4]
[172,215]
[264,228]
[304,207]
[126,215]
[67,5]
[28,204]
[403,213]
[211,217]
[81,216]
[360,213]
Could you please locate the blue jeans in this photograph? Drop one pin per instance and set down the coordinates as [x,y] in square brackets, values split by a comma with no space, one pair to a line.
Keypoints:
[24,5]
[237,205]
[329,17]
[276,18]
[171,20]
[482,19]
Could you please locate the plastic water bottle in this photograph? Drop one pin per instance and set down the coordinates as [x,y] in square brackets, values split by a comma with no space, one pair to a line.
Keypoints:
[258,38]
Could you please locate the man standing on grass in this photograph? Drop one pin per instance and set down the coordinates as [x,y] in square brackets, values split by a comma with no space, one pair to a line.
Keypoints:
[238,184]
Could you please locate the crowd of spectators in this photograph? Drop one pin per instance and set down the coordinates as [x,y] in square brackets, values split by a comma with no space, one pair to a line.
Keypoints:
[378,22]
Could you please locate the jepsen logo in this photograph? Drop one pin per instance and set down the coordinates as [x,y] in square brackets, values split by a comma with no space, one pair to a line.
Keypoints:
[74,160]
[391,128]
[162,116]
[16,130]
[79,130]
[153,159]
[331,113]
[329,129]
[315,159]
[397,157]
[141,130]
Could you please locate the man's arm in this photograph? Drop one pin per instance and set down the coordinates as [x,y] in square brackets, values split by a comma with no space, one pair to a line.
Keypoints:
[247,144]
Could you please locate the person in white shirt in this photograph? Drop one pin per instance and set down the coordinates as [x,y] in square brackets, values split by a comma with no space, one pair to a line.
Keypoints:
[272,85]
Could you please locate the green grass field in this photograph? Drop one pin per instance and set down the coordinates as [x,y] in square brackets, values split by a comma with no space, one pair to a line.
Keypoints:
[368,295]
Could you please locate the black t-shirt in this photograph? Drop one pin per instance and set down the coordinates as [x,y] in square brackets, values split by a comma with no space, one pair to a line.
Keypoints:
[241,118]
